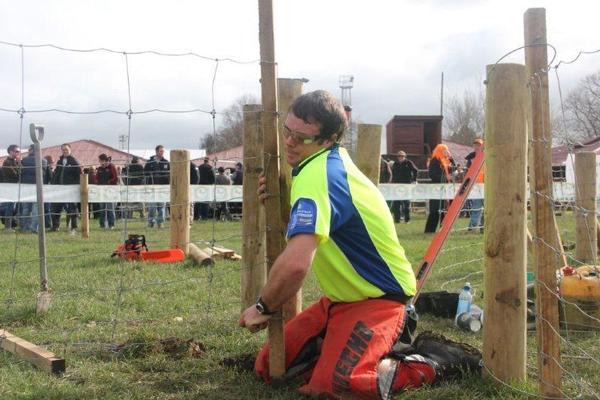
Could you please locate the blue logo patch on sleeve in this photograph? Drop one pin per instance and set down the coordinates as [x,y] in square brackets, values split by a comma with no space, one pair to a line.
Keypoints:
[303,217]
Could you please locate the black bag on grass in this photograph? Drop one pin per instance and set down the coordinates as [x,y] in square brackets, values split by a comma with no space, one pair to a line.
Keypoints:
[439,304]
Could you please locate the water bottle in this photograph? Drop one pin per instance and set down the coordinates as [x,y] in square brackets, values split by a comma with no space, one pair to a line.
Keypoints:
[464,302]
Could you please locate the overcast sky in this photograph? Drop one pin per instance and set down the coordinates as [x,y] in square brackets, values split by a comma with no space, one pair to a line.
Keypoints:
[396,51]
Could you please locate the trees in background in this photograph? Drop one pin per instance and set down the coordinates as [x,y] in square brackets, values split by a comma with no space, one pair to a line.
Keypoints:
[464,117]
[229,134]
[582,112]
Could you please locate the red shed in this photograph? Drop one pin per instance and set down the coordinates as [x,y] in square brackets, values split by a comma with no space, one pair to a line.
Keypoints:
[417,135]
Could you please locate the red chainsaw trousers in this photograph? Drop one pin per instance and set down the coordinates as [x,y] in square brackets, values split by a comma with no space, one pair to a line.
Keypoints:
[337,348]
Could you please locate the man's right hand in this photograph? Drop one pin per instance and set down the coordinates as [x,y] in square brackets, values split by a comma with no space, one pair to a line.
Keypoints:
[262,189]
[253,320]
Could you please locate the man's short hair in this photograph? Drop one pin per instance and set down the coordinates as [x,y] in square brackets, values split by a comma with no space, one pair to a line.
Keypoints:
[12,148]
[31,148]
[65,145]
[157,148]
[322,108]
[401,154]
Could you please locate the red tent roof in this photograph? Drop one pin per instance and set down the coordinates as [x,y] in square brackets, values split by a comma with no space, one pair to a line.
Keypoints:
[86,151]
[225,158]
[560,153]
[458,151]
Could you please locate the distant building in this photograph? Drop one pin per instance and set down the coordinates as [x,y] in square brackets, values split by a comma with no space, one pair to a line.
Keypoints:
[225,158]
[87,151]
[417,135]
[562,168]
[145,154]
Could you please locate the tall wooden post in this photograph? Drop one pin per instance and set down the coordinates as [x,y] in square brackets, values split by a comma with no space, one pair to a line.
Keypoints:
[547,253]
[368,151]
[288,90]
[253,224]
[505,239]
[85,206]
[180,200]
[274,246]
[586,247]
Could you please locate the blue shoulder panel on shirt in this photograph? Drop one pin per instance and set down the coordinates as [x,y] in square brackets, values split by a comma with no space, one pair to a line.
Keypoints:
[349,232]
[303,217]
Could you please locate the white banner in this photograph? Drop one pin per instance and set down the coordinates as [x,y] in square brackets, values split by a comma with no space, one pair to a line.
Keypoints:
[27,193]
[12,192]
[425,191]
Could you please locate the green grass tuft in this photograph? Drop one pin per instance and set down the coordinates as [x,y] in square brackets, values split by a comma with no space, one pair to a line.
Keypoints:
[151,331]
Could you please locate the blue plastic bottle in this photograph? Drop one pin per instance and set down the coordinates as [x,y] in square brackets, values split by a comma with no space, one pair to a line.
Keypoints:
[464,302]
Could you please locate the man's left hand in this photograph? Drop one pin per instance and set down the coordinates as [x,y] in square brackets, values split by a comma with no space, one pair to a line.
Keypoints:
[253,320]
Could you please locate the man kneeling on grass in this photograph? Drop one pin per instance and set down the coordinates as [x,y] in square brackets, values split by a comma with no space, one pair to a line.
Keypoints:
[341,226]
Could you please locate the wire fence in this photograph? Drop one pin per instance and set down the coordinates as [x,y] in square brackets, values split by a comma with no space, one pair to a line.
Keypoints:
[463,261]
[103,301]
[112,307]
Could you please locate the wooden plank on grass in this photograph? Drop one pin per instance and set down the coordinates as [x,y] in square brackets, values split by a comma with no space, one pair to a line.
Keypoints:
[225,252]
[39,357]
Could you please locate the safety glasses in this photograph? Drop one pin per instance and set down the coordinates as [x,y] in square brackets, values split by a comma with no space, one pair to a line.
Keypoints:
[298,137]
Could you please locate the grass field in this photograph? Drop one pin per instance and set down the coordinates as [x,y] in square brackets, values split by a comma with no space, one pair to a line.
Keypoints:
[148,331]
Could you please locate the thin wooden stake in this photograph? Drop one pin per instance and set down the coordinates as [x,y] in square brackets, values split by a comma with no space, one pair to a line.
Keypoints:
[43,299]
[85,205]
[289,90]
[274,246]
[547,250]
[254,271]
[586,246]
[368,151]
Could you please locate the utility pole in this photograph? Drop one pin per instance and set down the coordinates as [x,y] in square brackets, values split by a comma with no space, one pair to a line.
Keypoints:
[346,83]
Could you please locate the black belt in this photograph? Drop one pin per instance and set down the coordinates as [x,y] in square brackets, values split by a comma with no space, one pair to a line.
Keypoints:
[399,297]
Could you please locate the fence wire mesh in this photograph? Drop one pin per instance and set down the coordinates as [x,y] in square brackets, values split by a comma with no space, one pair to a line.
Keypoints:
[110,308]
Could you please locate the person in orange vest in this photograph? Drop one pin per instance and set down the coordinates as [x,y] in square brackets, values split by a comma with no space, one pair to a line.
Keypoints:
[439,169]
[476,204]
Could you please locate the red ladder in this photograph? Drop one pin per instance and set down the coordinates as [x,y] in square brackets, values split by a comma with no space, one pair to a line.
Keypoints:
[453,211]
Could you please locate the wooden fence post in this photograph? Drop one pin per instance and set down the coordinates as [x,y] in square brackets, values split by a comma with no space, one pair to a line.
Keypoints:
[505,239]
[85,206]
[586,244]
[289,90]
[368,151]
[254,271]
[274,246]
[547,254]
[180,200]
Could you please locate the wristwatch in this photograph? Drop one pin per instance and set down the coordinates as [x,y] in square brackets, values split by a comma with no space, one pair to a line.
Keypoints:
[262,308]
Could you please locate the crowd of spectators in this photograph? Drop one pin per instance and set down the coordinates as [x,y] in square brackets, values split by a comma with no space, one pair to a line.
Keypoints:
[441,168]
[67,171]
[156,171]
